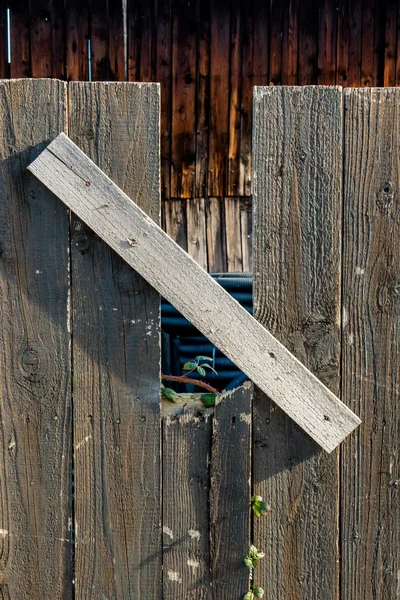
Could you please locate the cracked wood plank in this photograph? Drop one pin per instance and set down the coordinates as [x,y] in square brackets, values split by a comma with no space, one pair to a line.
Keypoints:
[72,176]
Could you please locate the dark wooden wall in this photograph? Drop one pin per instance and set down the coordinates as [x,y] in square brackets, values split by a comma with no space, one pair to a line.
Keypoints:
[207,56]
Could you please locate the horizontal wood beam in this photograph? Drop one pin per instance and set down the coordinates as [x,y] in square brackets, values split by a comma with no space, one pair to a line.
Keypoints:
[89,193]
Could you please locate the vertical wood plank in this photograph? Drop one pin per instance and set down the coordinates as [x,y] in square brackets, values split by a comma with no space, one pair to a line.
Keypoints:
[147,40]
[133,32]
[230,491]
[175,222]
[35,369]
[116,351]
[290,43]
[261,42]
[297,162]
[232,233]
[308,38]
[186,522]
[202,98]
[163,76]
[327,29]
[20,48]
[116,41]
[379,44]
[367,43]
[244,187]
[99,40]
[4,69]
[219,84]
[355,47]
[370,500]
[47,38]
[184,49]
[275,52]
[246,234]
[342,61]
[389,73]
[216,246]
[77,35]
[196,230]
[235,97]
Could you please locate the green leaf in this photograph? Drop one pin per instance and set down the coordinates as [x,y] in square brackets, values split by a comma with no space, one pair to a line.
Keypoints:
[264,507]
[208,399]
[169,394]
[199,358]
[188,366]
[256,511]
[247,561]
[201,371]
[248,596]
[256,499]
[209,367]
[258,592]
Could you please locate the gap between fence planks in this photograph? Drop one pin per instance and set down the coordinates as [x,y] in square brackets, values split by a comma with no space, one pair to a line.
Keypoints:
[90,194]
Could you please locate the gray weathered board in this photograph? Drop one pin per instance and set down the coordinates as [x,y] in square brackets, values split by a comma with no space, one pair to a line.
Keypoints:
[92,196]
[297,162]
[116,359]
[370,465]
[35,369]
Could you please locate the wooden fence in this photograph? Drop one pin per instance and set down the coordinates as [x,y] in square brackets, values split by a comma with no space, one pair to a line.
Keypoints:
[207,56]
[160,504]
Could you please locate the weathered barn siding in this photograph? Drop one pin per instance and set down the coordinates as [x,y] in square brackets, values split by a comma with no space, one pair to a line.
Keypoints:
[207,56]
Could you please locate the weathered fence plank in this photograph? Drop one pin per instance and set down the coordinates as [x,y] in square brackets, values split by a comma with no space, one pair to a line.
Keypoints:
[116,352]
[370,499]
[186,518]
[35,380]
[230,490]
[71,175]
[297,228]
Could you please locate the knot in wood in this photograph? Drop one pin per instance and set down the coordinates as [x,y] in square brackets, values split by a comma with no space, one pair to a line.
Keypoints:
[384,197]
[32,364]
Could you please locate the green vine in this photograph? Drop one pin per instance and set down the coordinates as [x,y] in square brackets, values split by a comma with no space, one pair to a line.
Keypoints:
[259,508]
[200,367]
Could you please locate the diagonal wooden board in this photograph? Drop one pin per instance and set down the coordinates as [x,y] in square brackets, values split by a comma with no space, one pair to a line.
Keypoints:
[89,193]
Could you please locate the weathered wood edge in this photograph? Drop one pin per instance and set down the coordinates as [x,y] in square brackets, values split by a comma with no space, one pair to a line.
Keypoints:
[87,191]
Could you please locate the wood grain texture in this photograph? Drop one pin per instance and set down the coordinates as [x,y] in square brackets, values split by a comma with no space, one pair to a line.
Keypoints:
[186,522]
[196,224]
[327,31]
[164,76]
[116,351]
[202,98]
[176,222]
[308,40]
[99,40]
[297,230]
[230,491]
[232,233]
[94,198]
[76,40]
[371,345]
[367,57]
[290,43]
[216,246]
[20,49]
[35,369]
[219,84]
[184,52]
